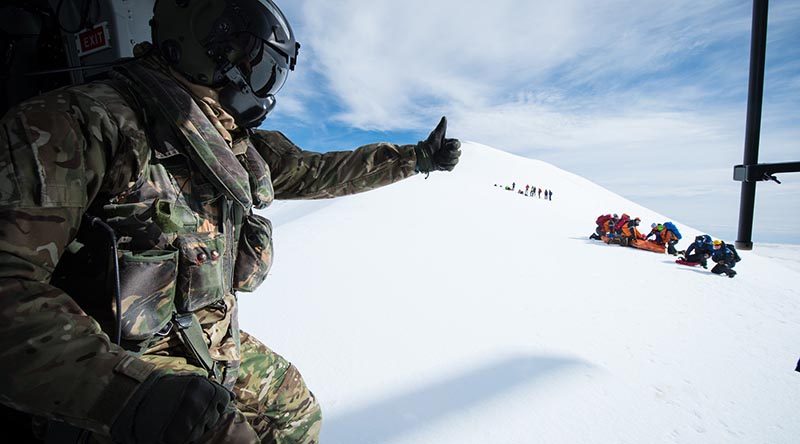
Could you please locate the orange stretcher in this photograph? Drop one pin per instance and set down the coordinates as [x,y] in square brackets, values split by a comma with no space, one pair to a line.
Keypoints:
[648,245]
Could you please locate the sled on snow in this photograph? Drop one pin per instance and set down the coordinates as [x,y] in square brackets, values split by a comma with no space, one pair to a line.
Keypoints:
[687,263]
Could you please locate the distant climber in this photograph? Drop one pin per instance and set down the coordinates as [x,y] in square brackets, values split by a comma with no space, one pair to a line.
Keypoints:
[672,237]
[605,226]
[655,230]
[698,252]
[540,193]
[725,257]
[622,220]
[614,235]
[666,234]
[599,229]
[628,232]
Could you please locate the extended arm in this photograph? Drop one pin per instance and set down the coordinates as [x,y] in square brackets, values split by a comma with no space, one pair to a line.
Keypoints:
[299,174]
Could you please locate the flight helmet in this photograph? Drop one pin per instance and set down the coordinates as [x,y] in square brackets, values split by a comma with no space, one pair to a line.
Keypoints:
[242,48]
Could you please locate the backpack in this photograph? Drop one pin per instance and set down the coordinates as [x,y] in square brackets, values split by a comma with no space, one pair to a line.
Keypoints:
[622,221]
[736,257]
[671,227]
[602,219]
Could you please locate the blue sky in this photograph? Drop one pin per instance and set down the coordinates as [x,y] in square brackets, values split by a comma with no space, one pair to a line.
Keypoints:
[647,98]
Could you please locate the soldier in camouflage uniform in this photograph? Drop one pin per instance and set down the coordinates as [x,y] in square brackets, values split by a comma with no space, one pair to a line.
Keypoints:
[161,155]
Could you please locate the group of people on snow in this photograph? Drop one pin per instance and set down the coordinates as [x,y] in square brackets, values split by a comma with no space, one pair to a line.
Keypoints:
[531,191]
[622,230]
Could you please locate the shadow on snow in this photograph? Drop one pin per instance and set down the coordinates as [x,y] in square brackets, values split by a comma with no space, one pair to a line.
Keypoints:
[599,243]
[396,415]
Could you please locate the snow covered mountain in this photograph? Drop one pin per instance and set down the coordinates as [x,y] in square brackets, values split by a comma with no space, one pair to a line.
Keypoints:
[448,310]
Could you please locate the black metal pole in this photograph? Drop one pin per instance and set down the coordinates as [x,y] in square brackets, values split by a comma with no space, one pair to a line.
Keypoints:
[755,95]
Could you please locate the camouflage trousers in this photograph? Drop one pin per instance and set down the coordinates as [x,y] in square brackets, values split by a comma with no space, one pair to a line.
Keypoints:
[272,400]
[273,397]
[273,404]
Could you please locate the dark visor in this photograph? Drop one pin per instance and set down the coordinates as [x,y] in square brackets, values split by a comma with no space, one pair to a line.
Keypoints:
[264,69]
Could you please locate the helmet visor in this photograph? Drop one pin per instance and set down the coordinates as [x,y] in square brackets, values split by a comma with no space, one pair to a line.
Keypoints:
[267,74]
[268,24]
[263,23]
[263,71]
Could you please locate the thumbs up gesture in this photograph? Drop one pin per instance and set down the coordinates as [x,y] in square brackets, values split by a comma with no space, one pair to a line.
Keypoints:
[437,152]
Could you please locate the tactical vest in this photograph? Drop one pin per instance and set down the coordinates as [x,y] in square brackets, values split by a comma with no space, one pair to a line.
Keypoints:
[187,236]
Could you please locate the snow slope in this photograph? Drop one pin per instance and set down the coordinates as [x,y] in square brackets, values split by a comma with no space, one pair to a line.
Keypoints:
[448,310]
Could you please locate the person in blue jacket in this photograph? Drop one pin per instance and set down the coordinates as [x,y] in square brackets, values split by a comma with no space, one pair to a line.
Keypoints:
[726,258]
[700,251]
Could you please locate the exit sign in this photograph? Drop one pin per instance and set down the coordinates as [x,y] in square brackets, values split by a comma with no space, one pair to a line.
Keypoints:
[93,39]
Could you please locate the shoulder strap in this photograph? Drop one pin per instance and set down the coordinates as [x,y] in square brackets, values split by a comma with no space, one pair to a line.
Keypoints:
[260,177]
[164,99]
[163,145]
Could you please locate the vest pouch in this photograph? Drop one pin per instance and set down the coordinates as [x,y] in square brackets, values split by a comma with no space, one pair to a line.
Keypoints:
[201,274]
[254,257]
[147,284]
[172,217]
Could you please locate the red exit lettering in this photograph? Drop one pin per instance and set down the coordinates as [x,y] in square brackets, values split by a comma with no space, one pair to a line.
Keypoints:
[92,40]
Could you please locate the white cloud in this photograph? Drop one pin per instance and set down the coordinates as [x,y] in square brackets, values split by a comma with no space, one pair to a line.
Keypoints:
[385,60]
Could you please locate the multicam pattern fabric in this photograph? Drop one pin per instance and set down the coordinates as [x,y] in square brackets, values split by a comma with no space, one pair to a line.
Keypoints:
[148,292]
[208,150]
[299,174]
[60,150]
[255,253]
[273,397]
[84,150]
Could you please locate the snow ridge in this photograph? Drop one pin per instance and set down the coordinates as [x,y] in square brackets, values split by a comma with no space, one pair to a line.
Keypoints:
[447,310]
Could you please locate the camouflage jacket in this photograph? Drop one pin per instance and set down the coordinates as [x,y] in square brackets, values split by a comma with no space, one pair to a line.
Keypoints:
[180,200]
